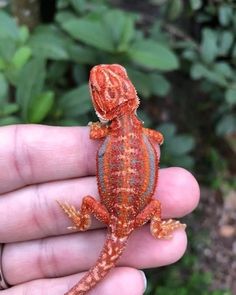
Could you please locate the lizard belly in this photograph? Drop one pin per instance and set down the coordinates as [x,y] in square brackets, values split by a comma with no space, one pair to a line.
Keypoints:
[127,173]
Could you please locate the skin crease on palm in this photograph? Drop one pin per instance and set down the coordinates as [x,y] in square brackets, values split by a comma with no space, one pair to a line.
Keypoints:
[42,164]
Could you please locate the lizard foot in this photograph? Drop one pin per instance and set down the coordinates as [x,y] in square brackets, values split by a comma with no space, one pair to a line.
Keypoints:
[164,229]
[81,221]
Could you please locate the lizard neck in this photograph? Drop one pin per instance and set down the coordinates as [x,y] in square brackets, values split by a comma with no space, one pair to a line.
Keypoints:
[126,122]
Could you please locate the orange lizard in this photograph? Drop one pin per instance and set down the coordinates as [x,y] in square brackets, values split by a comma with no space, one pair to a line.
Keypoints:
[127,172]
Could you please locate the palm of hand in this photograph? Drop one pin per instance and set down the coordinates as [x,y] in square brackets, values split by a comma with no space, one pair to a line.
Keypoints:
[41,164]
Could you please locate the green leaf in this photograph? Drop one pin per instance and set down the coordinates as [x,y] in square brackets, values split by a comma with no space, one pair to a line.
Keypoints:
[168,130]
[3,88]
[160,85]
[224,69]
[78,5]
[180,145]
[61,4]
[177,147]
[8,27]
[143,116]
[127,34]
[187,162]
[21,56]
[156,32]
[90,31]
[200,71]
[123,31]
[72,122]
[190,55]
[230,96]
[10,120]
[196,4]
[197,71]
[7,49]
[226,39]
[174,9]
[30,84]
[225,14]
[2,64]
[153,55]
[40,106]
[10,108]
[81,54]
[76,102]
[227,125]
[48,42]
[24,34]
[209,47]
[64,16]
[141,82]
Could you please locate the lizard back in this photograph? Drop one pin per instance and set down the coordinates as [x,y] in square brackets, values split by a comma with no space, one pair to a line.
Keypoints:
[127,166]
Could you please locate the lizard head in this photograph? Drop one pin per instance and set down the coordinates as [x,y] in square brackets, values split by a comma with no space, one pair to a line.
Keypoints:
[112,92]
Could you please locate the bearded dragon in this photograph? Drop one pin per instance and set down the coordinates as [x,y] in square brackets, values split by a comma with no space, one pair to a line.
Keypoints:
[127,173]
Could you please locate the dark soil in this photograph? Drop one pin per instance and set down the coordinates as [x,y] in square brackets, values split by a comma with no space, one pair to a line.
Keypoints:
[218,253]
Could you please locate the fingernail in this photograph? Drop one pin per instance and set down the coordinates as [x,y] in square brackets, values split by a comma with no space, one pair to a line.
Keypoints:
[144,281]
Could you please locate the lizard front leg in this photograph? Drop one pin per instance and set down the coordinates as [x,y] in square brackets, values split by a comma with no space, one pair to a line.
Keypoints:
[154,135]
[82,218]
[98,130]
[159,228]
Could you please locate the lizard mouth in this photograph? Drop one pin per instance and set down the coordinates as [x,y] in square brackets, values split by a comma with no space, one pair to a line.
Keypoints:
[123,108]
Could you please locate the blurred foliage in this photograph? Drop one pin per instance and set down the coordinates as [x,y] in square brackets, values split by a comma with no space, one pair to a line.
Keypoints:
[44,74]
[212,60]
[35,65]
[176,149]
[203,36]
[190,280]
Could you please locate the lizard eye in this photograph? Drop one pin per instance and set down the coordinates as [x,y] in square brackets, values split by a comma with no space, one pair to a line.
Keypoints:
[93,88]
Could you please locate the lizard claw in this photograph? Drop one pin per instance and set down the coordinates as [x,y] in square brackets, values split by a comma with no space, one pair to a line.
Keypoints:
[81,221]
[165,228]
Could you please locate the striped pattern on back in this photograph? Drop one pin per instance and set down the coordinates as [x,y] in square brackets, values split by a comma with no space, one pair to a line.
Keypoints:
[127,172]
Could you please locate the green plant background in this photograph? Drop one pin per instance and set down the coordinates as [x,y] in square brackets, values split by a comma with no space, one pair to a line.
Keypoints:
[181,60]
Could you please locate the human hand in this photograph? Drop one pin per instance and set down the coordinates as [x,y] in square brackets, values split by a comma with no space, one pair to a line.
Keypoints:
[41,164]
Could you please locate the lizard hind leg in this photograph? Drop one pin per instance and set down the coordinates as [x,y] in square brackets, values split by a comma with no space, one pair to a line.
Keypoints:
[159,228]
[82,218]
[81,221]
[164,228]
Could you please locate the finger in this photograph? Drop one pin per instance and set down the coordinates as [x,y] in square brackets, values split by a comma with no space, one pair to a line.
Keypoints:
[178,191]
[52,257]
[34,154]
[130,281]
[32,212]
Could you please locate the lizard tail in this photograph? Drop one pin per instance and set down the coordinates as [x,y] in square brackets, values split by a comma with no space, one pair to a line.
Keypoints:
[112,250]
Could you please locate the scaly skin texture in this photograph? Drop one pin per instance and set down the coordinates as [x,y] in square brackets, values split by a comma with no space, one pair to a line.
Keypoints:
[127,172]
